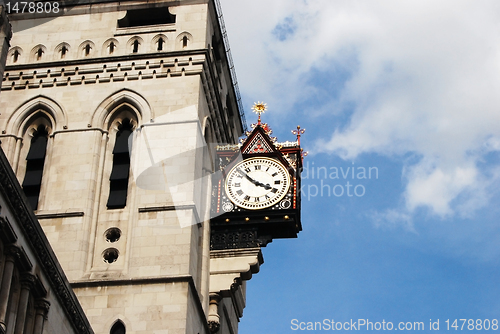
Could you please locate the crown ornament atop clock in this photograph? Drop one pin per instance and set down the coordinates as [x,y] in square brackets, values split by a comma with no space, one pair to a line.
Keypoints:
[257,197]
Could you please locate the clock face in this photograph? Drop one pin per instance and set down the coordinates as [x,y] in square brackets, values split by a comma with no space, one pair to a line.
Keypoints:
[257,183]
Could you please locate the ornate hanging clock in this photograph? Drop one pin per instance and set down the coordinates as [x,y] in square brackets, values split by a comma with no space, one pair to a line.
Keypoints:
[257,198]
[257,183]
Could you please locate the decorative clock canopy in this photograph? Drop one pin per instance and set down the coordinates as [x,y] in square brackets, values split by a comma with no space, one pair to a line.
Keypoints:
[257,197]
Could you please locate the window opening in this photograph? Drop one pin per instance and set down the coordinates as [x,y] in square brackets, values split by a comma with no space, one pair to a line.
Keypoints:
[160,44]
[146,17]
[64,50]
[16,56]
[121,167]
[111,47]
[39,54]
[110,255]
[118,328]
[34,166]
[136,46]
[184,41]
[113,234]
[87,49]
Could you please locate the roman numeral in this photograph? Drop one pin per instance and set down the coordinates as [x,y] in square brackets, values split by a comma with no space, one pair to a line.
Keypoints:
[237,184]
[277,182]
[274,174]
[274,190]
[247,170]
[257,199]
[239,192]
[258,167]
[247,198]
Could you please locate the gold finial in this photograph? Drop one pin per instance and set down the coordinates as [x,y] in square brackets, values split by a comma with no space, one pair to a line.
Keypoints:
[259,108]
[298,132]
[303,154]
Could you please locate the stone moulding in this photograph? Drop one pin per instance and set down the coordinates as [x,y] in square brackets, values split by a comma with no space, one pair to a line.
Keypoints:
[120,68]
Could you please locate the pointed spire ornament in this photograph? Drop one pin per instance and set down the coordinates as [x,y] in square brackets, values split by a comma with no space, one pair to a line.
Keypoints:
[259,108]
[298,133]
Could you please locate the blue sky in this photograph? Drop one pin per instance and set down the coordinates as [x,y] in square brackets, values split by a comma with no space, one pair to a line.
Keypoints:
[411,89]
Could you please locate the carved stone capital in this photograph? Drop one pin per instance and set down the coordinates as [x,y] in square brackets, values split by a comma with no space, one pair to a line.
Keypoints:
[7,233]
[213,313]
[28,281]
[19,256]
[42,307]
[213,326]
[12,253]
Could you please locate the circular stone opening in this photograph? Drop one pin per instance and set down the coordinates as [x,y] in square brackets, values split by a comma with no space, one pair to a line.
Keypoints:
[113,234]
[110,255]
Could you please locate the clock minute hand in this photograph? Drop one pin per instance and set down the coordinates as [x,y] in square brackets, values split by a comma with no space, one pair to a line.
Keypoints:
[257,183]
[248,177]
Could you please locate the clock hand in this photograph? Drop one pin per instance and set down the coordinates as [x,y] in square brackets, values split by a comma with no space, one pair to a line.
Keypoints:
[248,177]
[257,183]
[266,186]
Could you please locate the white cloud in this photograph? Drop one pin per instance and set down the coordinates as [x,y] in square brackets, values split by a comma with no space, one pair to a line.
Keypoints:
[423,76]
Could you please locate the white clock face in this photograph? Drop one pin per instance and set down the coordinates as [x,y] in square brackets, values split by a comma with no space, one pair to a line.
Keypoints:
[257,183]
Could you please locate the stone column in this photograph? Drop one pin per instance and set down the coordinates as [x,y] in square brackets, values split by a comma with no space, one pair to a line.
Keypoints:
[41,309]
[10,253]
[27,282]
[213,313]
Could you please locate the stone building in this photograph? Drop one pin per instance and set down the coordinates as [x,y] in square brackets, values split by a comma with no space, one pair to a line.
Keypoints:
[110,113]
[35,296]
[75,85]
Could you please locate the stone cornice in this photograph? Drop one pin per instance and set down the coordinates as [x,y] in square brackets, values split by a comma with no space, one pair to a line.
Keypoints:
[37,241]
[104,70]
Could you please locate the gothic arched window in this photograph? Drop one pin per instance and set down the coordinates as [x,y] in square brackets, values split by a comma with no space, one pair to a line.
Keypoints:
[118,328]
[34,166]
[118,180]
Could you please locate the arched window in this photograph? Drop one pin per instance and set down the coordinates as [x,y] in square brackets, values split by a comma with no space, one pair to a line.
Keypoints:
[118,180]
[117,328]
[34,166]
[184,42]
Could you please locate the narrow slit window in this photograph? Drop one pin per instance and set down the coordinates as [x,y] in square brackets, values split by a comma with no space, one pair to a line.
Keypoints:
[87,49]
[111,47]
[39,54]
[64,50]
[135,46]
[34,166]
[16,56]
[160,44]
[118,180]
[184,41]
